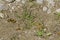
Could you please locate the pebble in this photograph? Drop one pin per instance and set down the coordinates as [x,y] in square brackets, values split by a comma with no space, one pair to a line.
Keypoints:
[45,29]
[39,1]
[1,15]
[48,34]
[44,8]
[18,0]
[58,10]
[13,7]
[23,1]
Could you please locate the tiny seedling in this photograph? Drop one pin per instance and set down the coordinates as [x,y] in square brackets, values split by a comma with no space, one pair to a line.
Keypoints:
[40,33]
[27,15]
[28,18]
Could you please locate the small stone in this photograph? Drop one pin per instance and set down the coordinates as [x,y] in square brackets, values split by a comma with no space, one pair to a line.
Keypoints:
[18,0]
[48,34]
[1,15]
[44,8]
[58,10]
[23,1]
[9,4]
[13,7]
[39,1]
[45,29]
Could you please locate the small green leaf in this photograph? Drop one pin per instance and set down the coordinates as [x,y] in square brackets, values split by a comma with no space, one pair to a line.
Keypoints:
[40,33]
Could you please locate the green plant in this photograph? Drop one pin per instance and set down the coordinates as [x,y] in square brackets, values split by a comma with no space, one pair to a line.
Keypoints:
[27,18]
[40,33]
[27,14]
[58,14]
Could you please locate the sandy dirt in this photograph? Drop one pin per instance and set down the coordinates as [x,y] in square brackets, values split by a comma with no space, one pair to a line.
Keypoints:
[29,19]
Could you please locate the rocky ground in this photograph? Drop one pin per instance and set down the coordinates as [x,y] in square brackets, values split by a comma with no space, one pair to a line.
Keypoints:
[29,19]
